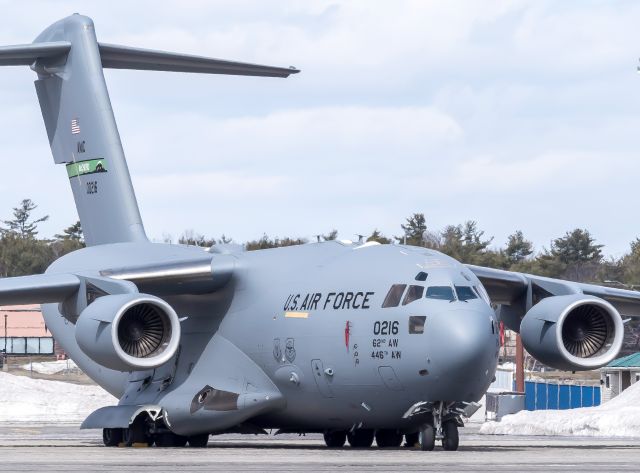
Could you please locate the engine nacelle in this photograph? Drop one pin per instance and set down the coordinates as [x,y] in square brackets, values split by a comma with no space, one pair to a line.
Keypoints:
[573,332]
[128,332]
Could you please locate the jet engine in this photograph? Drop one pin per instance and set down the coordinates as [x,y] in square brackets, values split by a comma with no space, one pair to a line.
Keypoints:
[573,332]
[128,332]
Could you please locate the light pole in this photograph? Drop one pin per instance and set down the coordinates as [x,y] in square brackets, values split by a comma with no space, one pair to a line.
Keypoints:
[5,367]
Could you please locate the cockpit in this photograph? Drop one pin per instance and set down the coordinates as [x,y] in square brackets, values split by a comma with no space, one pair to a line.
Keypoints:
[407,293]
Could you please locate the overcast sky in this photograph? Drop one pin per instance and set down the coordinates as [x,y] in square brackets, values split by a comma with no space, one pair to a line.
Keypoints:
[520,115]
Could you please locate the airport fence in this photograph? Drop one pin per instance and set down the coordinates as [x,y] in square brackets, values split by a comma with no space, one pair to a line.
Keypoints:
[540,396]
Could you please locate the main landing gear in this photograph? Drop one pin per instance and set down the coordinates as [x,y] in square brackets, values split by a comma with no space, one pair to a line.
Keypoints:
[138,435]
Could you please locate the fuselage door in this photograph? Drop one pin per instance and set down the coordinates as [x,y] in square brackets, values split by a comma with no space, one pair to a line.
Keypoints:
[389,378]
[321,377]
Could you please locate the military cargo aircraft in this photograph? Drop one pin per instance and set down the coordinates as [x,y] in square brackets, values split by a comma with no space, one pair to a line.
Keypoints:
[358,341]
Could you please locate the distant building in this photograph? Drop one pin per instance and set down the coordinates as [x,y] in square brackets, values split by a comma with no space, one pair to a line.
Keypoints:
[23,331]
[619,375]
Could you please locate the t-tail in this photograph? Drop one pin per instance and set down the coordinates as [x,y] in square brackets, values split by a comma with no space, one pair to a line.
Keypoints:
[79,119]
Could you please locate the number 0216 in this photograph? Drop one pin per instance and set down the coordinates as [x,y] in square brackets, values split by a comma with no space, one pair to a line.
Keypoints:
[386,327]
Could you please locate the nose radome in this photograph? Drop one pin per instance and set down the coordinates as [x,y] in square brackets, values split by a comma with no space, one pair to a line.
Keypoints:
[466,353]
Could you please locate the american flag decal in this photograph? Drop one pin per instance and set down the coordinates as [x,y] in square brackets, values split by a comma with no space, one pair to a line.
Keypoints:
[75,126]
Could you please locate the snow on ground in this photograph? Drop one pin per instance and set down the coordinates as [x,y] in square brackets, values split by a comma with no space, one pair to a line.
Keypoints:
[50,367]
[619,417]
[24,399]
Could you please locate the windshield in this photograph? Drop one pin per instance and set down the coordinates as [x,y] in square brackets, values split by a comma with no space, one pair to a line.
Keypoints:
[465,293]
[413,294]
[444,293]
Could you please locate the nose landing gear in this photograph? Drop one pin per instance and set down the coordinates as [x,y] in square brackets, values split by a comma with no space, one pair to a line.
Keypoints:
[442,422]
[450,439]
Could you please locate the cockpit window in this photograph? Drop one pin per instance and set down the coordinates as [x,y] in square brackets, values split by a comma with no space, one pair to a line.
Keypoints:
[421,276]
[465,293]
[394,295]
[414,293]
[444,293]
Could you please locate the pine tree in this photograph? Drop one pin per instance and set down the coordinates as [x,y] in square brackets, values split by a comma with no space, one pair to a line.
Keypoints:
[414,230]
[377,236]
[73,232]
[22,225]
[518,248]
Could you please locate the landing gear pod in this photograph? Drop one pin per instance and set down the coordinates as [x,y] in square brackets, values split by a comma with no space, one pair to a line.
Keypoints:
[573,332]
[128,332]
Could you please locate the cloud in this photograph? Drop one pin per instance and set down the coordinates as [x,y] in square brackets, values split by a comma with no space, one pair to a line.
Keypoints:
[518,114]
[322,139]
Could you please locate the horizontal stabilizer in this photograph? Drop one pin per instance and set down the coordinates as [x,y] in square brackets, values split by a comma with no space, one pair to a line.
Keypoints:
[26,54]
[123,57]
[37,289]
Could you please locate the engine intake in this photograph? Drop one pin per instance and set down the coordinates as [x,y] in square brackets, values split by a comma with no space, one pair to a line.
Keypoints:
[128,331]
[573,332]
[144,330]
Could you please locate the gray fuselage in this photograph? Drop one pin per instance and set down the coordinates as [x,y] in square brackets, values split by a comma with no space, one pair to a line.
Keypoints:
[309,319]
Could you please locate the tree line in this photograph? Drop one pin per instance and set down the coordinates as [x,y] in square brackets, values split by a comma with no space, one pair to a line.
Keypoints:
[574,255]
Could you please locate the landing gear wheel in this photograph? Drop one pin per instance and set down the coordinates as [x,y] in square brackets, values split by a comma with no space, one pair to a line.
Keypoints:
[451,439]
[198,441]
[388,438]
[427,438]
[412,440]
[111,437]
[169,439]
[335,439]
[136,433]
[361,438]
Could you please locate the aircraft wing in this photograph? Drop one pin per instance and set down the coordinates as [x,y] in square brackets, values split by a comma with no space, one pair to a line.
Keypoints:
[193,276]
[37,289]
[517,292]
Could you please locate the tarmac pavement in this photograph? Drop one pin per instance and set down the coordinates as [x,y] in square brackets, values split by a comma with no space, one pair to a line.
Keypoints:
[64,448]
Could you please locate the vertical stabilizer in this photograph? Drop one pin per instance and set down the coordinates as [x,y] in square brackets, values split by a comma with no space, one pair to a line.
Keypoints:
[83,133]
[80,123]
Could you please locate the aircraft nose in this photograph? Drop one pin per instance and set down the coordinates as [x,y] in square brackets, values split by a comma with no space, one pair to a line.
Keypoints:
[467,356]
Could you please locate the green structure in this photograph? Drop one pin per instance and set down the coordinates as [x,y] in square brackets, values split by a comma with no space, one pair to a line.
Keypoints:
[619,375]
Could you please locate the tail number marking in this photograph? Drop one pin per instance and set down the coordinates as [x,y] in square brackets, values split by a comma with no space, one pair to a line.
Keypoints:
[92,187]
[385,327]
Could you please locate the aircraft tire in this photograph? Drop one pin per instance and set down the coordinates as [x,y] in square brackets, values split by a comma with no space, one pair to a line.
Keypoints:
[427,438]
[198,441]
[411,440]
[388,438]
[451,438]
[361,438]
[169,439]
[335,439]
[111,437]
[136,433]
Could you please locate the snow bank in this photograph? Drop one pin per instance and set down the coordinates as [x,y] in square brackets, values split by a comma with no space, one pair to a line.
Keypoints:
[619,417]
[50,367]
[24,399]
